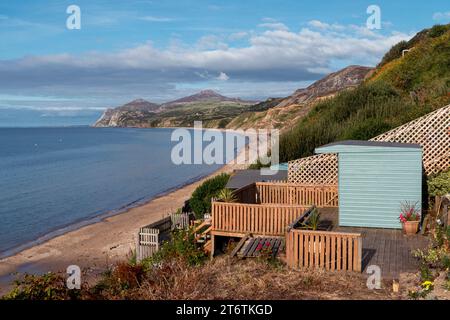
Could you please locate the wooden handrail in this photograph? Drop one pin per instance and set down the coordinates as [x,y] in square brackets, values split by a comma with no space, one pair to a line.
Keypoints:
[260,219]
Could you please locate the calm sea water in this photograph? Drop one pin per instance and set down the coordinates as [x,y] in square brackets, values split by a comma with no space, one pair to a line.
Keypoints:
[52,179]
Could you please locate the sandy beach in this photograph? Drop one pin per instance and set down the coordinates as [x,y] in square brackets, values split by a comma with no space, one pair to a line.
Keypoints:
[98,245]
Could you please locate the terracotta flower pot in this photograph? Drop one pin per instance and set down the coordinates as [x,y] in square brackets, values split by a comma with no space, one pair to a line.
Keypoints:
[411,227]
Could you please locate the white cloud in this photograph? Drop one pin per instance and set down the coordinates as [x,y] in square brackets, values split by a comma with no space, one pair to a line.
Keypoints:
[209,42]
[275,54]
[318,24]
[441,15]
[271,49]
[156,19]
[223,76]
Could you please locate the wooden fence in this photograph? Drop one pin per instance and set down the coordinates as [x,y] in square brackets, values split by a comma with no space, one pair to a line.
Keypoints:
[151,236]
[261,219]
[324,249]
[181,220]
[297,194]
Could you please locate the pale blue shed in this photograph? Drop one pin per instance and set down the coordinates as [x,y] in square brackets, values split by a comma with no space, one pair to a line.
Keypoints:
[374,179]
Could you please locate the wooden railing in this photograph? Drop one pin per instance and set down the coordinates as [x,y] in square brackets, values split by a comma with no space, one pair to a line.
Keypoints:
[261,219]
[324,249]
[297,194]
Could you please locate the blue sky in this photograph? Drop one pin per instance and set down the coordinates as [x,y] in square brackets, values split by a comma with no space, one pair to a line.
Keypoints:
[162,50]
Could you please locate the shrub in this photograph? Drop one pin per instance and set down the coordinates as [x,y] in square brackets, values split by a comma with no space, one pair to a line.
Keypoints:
[200,201]
[49,286]
[437,30]
[394,53]
[124,276]
[181,246]
[439,185]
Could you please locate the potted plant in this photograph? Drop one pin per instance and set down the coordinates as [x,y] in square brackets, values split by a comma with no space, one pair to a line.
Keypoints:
[410,217]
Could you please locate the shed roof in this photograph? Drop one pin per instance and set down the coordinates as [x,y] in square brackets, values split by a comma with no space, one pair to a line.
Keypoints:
[356,145]
[242,178]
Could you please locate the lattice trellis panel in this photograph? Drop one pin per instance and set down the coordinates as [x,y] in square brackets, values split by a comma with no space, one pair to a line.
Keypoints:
[431,131]
[320,169]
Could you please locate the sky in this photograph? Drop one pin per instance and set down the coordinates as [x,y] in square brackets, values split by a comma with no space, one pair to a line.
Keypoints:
[163,50]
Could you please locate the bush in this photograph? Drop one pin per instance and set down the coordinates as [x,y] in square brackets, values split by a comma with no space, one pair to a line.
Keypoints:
[49,286]
[200,201]
[124,276]
[439,185]
[438,30]
[394,53]
[181,246]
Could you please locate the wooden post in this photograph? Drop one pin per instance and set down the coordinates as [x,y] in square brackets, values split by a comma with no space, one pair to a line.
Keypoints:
[213,245]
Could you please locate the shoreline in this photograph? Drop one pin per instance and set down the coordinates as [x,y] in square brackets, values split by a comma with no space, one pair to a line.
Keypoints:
[73,226]
[96,246]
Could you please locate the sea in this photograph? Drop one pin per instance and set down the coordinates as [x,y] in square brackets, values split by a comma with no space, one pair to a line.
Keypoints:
[53,180]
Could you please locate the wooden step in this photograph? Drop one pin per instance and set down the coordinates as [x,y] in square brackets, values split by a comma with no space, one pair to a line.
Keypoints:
[207,246]
[204,235]
[202,225]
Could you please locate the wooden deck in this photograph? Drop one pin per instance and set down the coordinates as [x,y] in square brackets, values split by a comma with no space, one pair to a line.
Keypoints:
[387,248]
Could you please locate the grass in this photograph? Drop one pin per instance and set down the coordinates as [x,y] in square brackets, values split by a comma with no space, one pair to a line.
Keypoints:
[227,279]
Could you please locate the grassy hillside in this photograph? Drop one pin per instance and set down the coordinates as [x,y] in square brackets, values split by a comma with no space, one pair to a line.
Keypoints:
[213,114]
[400,90]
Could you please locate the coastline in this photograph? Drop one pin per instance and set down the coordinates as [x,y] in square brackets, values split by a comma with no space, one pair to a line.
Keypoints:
[95,246]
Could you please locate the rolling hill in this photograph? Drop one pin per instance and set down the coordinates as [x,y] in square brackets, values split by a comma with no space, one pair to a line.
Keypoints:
[283,112]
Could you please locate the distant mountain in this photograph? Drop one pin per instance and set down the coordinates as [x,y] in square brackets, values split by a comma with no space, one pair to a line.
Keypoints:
[202,96]
[214,109]
[283,112]
[113,117]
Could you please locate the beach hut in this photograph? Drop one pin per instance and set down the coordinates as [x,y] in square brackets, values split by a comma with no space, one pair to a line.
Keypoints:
[374,179]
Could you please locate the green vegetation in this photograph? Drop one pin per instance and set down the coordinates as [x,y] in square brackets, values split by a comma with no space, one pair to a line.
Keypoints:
[200,201]
[401,89]
[439,185]
[265,105]
[180,246]
[212,114]
[226,195]
[49,286]
[313,221]
[434,264]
